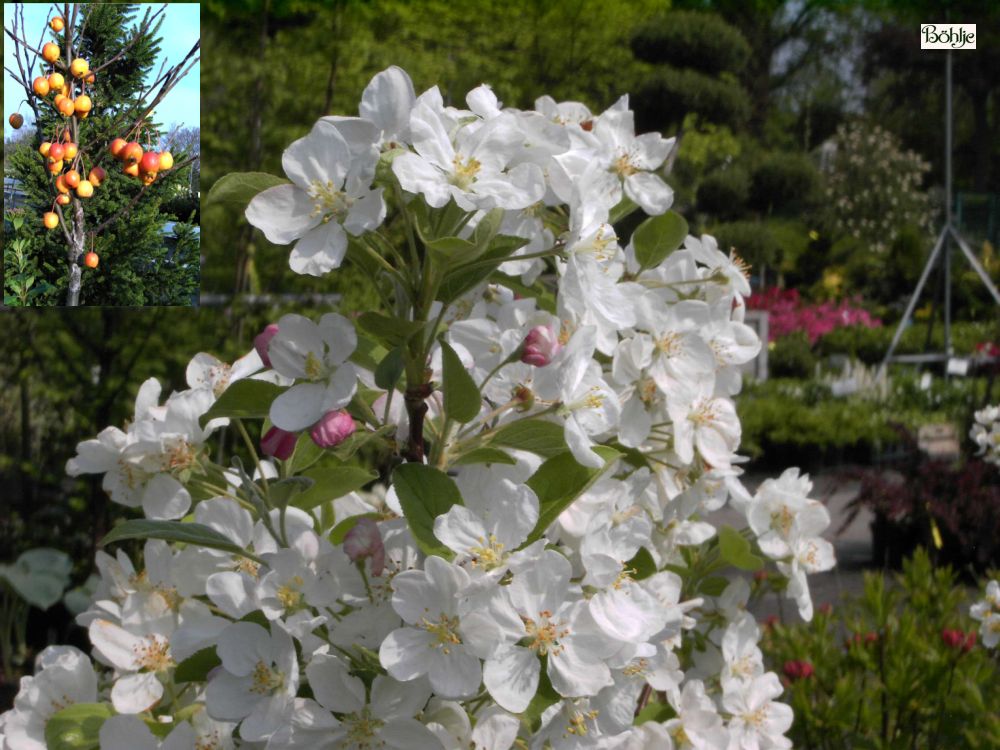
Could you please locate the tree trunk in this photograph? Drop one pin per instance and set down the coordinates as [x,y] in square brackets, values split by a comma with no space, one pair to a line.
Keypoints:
[75,252]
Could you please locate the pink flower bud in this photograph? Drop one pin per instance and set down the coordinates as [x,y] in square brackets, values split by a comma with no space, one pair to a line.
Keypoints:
[333,429]
[952,638]
[364,540]
[263,340]
[541,345]
[278,443]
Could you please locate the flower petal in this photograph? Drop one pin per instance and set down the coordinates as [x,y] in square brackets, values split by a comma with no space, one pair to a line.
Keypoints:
[283,213]
[320,250]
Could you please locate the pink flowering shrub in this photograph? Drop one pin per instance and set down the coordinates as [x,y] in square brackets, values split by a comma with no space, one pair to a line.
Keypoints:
[788,313]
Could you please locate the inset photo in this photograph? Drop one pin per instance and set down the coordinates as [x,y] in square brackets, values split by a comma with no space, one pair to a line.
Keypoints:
[101,154]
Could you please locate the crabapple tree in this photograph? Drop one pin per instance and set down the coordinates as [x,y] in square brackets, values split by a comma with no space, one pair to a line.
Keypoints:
[85,82]
[479,517]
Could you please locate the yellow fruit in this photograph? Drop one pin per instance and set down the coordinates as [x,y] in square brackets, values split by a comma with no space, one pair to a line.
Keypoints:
[79,67]
[50,52]
[166,160]
[50,219]
[56,81]
[57,24]
[82,105]
[40,86]
[85,189]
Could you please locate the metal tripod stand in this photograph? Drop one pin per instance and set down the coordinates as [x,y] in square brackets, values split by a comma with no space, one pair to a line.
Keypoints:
[940,254]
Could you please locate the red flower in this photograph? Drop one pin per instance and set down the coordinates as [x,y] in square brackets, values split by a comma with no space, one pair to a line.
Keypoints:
[798,669]
[952,638]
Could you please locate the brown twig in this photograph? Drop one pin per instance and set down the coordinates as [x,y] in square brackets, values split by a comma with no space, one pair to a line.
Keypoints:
[20,41]
[647,691]
[141,31]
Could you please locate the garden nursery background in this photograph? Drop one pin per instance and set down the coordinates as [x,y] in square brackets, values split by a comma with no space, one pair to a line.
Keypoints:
[811,142]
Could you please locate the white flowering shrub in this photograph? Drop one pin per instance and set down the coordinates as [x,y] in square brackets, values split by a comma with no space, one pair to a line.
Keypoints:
[985,433]
[543,418]
[874,187]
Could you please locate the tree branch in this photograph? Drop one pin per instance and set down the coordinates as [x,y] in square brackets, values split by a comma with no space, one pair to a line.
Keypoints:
[141,31]
[20,41]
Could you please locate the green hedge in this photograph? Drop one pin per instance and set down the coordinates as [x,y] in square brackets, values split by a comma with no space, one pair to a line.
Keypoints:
[870,344]
[787,421]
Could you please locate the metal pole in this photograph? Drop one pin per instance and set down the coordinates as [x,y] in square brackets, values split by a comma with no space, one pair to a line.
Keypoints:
[931,262]
[948,198]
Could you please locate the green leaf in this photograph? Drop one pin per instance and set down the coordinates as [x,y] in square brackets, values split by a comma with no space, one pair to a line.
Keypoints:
[561,480]
[713,585]
[643,564]
[281,492]
[654,711]
[39,576]
[306,454]
[488,228]
[340,531]
[460,280]
[389,370]
[461,395]
[368,353]
[359,439]
[160,729]
[388,330]
[624,208]
[735,550]
[545,696]
[657,237]
[77,727]
[537,436]
[244,399]
[451,251]
[485,456]
[173,531]
[425,493]
[197,666]
[329,484]
[239,188]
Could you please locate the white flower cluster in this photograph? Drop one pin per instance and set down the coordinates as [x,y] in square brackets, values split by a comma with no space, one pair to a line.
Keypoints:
[547,574]
[987,612]
[985,433]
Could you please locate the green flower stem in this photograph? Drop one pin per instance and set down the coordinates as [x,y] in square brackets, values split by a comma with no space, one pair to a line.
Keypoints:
[253,451]
[411,239]
[366,244]
[487,417]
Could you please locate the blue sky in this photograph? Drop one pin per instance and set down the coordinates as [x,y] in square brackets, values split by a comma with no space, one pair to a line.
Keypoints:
[180,30]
